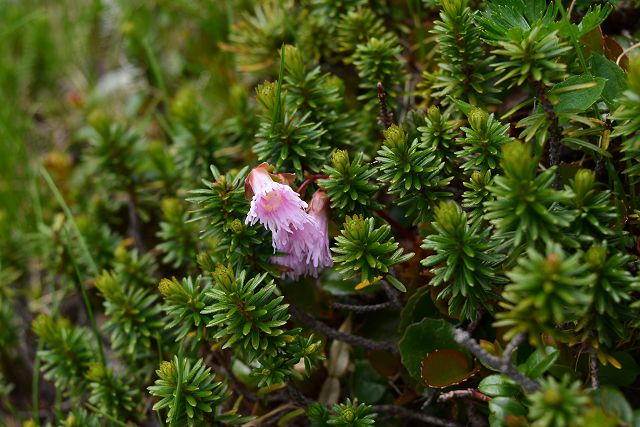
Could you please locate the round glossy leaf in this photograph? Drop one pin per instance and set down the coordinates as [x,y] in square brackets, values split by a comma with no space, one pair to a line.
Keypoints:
[385,363]
[424,337]
[613,402]
[540,361]
[444,368]
[417,308]
[498,385]
[367,385]
[505,408]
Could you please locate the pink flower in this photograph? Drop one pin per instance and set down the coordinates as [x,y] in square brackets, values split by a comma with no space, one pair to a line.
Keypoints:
[307,248]
[274,204]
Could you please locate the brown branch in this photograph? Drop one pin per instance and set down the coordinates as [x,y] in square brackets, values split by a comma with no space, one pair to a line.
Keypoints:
[511,346]
[302,401]
[593,359]
[475,322]
[368,308]
[402,411]
[312,178]
[555,134]
[462,394]
[385,117]
[475,418]
[502,364]
[316,325]
[297,397]
[392,294]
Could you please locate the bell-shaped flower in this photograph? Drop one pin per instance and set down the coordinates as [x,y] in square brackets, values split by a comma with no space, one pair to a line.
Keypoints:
[306,249]
[274,203]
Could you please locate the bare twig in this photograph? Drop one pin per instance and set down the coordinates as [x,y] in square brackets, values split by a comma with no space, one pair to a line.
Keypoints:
[476,419]
[571,6]
[504,365]
[309,180]
[401,411]
[475,322]
[386,116]
[297,397]
[269,417]
[368,308]
[627,50]
[593,359]
[511,346]
[303,401]
[392,294]
[312,323]
[462,394]
[555,134]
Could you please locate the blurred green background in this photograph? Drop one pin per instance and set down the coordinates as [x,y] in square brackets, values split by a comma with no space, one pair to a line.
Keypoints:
[62,58]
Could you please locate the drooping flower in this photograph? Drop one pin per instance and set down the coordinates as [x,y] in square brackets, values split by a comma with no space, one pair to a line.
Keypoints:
[274,204]
[306,249]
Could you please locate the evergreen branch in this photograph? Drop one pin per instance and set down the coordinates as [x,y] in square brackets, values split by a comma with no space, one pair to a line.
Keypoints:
[134,219]
[88,308]
[104,414]
[312,323]
[69,215]
[572,35]
[504,364]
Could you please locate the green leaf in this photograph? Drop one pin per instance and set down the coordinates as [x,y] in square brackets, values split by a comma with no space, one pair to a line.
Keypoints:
[593,18]
[626,375]
[367,385]
[615,78]
[498,385]
[417,308]
[290,416]
[503,407]
[539,361]
[396,283]
[586,145]
[462,106]
[422,338]
[576,94]
[613,403]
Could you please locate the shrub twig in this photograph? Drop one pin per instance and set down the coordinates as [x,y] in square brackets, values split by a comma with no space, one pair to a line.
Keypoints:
[402,411]
[502,364]
[312,323]
[385,117]
[466,393]
[367,308]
